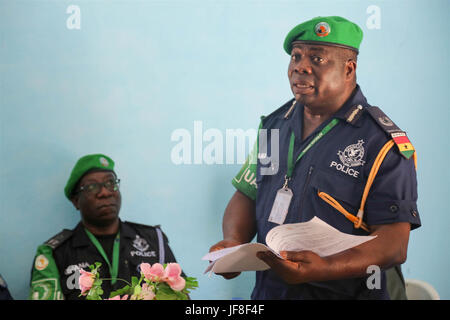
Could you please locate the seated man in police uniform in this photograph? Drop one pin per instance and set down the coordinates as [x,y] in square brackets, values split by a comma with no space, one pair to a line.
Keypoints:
[339,159]
[101,236]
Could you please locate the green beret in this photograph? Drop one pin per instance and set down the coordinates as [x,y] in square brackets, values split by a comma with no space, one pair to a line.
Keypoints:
[334,30]
[85,164]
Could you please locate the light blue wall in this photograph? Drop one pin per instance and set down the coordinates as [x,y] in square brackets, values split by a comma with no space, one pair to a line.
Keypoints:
[138,70]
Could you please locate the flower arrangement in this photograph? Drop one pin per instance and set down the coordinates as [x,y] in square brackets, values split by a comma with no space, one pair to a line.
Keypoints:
[157,282]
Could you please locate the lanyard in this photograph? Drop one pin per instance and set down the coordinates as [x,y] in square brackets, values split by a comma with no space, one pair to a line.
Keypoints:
[291,164]
[114,269]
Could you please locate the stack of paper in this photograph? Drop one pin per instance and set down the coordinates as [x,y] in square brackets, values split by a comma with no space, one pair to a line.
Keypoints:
[314,235]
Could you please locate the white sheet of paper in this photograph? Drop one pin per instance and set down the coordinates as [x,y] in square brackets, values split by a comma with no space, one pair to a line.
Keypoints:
[314,235]
[237,259]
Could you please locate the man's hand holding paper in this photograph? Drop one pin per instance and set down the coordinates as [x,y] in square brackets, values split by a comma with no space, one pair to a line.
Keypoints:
[296,266]
[306,266]
[310,240]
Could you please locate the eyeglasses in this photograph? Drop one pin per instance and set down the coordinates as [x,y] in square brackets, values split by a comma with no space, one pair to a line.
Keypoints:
[111,185]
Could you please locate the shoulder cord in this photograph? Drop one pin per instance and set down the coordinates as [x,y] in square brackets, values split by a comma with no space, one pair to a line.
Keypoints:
[161,246]
[358,219]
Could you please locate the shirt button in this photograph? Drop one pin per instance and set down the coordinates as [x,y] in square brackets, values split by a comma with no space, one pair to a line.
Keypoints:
[414,213]
[394,208]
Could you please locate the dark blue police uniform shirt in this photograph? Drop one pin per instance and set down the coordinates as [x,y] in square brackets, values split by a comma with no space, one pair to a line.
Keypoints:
[392,197]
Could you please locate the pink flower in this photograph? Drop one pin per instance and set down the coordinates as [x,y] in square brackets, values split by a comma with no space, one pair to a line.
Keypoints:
[147,292]
[153,273]
[172,275]
[85,281]
[143,293]
[177,284]
[173,270]
[125,297]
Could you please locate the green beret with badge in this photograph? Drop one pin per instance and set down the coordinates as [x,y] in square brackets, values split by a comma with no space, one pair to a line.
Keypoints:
[85,164]
[334,30]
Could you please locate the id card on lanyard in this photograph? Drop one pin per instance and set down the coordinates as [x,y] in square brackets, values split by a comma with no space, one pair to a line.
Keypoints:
[114,268]
[284,195]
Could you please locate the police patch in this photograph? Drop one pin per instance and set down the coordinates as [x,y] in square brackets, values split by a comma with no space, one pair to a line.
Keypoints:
[142,247]
[352,155]
[140,244]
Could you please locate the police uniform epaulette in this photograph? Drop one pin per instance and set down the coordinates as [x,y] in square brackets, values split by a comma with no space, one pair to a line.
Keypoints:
[387,125]
[354,114]
[55,241]
[285,110]
[143,225]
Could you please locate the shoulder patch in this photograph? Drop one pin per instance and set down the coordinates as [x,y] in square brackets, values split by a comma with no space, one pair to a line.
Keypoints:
[57,240]
[400,139]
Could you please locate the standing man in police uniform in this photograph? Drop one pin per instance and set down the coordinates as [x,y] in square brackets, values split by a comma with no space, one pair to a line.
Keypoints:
[101,236]
[340,159]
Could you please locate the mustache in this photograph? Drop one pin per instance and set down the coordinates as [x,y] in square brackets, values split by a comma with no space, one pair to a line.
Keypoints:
[107,205]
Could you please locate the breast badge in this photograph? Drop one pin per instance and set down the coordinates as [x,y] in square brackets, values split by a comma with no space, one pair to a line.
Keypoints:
[351,157]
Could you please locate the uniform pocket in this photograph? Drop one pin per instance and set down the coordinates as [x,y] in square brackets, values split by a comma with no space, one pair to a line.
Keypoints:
[344,189]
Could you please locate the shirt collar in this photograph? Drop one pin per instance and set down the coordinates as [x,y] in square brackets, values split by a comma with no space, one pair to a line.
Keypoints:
[80,238]
[126,231]
[357,98]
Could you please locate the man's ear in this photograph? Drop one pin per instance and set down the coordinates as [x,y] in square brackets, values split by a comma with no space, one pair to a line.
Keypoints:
[74,200]
[350,69]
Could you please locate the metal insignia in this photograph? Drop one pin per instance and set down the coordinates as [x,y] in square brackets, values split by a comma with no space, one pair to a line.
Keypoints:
[352,155]
[322,29]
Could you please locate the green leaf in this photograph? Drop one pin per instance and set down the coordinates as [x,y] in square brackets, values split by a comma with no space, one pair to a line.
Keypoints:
[97,282]
[164,292]
[134,281]
[137,290]
[181,295]
[93,294]
[191,283]
[121,292]
[165,296]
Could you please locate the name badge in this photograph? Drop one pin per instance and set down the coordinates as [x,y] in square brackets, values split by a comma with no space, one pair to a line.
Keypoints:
[281,206]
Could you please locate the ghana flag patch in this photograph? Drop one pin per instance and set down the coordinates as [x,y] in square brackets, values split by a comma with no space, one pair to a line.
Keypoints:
[404,145]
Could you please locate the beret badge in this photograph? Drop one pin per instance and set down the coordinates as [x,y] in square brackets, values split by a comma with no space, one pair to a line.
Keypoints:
[322,29]
[104,162]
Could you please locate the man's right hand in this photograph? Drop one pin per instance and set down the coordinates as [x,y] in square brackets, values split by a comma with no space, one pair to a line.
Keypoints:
[222,245]
[238,225]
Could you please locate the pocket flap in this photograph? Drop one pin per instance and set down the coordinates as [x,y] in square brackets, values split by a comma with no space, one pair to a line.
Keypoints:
[338,186]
